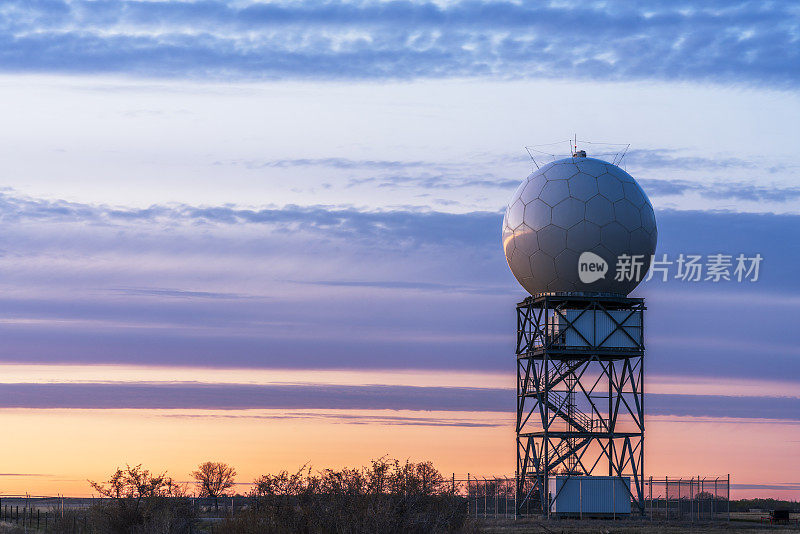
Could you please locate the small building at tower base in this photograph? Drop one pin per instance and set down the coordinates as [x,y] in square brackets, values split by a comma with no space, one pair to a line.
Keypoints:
[589,496]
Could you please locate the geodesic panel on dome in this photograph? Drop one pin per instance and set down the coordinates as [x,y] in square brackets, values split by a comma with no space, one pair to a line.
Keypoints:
[610,187]
[516,214]
[583,236]
[648,216]
[552,239]
[533,188]
[543,265]
[573,206]
[568,213]
[560,171]
[599,210]
[615,237]
[554,191]
[627,214]
[634,193]
[582,186]
[538,215]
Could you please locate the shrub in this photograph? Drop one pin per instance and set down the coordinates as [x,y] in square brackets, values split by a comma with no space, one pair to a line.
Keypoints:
[387,496]
[137,502]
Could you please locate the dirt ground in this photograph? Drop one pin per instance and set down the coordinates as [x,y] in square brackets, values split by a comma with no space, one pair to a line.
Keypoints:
[599,526]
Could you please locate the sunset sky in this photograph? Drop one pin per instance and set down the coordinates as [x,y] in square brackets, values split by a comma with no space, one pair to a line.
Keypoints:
[269,233]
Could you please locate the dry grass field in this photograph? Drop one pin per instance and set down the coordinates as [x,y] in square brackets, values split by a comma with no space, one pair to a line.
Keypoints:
[749,525]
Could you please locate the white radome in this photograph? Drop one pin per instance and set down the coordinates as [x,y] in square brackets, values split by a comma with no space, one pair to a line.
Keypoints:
[569,207]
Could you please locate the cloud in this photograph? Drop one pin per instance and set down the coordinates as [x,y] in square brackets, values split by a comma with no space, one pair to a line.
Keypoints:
[409,285]
[242,396]
[716,190]
[745,407]
[177,293]
[96,227]
[223,286]
[339,397]
[334,163]
[483,174]
[420,225]
[353,419]
[446,176]
[784,486]
[444,180]
[739,42]
[673,159]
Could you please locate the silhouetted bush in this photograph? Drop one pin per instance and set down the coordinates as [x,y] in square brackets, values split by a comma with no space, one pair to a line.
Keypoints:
[66,522]
[387,496]
[744,505]
[136,502]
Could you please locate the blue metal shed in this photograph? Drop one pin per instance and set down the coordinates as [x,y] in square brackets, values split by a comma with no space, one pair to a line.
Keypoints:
[589,496]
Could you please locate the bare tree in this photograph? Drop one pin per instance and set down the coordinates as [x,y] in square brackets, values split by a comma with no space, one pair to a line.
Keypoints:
[136,500]
[214,479]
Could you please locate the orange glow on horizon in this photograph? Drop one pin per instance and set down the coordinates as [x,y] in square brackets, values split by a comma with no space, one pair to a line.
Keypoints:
[56,451]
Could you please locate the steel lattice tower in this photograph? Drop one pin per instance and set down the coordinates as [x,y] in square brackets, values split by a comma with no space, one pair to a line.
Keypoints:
[580,392]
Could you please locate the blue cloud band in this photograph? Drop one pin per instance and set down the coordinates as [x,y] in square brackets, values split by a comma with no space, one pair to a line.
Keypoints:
[366,397]
[741,42]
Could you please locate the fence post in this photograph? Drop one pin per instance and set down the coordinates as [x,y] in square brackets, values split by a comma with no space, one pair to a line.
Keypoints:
[666,499]
[516,491]
[714,502]
[505,495]
[702,496]
[468,489]
[729,496]
[485,503]
[454,483]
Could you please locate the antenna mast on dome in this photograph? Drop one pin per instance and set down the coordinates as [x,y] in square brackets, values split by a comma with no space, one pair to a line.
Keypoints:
[543,153]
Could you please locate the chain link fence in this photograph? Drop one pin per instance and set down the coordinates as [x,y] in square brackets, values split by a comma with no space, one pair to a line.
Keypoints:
[668,498]
[693,498]
[493,497]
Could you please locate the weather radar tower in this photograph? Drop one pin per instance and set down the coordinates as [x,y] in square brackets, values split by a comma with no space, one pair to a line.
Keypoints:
[579,234]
